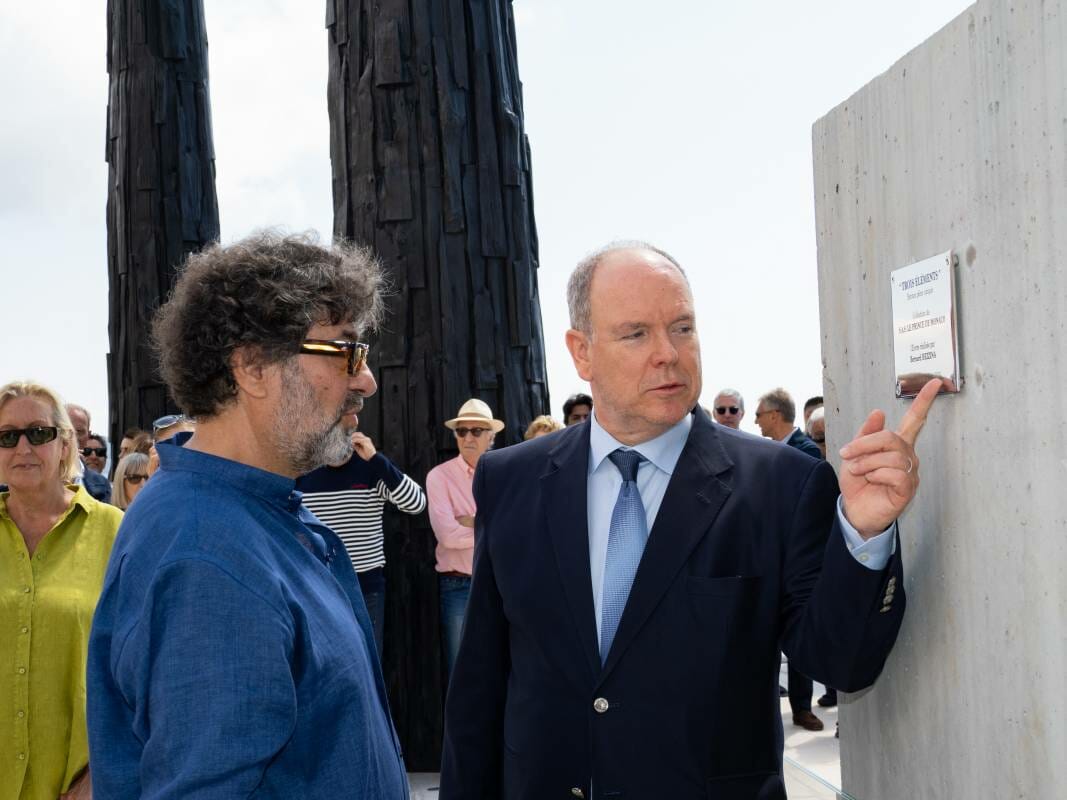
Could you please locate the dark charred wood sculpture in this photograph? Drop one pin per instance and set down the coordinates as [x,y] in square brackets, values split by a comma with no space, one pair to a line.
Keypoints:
[161,202]
[431,166]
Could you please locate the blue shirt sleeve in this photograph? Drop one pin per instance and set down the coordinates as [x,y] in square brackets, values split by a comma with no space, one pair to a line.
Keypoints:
[213,668]
[873,553]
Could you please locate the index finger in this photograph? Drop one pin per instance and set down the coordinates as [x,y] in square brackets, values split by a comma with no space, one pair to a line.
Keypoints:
[915,417]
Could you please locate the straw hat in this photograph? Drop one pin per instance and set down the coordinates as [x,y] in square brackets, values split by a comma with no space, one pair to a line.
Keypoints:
[475,411]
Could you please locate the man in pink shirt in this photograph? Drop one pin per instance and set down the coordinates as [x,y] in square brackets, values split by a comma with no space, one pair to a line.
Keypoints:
[452,509]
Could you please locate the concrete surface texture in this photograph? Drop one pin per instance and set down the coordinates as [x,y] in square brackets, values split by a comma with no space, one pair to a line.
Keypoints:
[962,145]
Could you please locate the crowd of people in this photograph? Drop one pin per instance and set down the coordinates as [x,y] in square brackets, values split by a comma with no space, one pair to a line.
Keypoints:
[230,637]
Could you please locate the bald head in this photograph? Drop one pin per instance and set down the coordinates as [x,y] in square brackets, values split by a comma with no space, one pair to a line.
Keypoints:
[580,284]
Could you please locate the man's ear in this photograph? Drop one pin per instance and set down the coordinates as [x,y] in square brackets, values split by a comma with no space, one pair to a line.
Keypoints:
[251,374]
[578,343]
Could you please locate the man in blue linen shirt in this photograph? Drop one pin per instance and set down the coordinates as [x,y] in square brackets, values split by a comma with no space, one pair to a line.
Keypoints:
[231,653]
[591,666]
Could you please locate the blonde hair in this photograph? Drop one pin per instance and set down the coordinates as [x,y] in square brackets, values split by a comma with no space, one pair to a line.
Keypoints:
[542,424]
[119,497]
[69,465]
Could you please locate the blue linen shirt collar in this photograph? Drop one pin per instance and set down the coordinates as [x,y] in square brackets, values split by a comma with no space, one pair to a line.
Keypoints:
[275,489]
[663,451]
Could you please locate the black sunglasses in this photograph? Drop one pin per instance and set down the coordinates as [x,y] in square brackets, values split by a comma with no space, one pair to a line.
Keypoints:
[475,432]
[136,478]
[724,409]
[101,452]
[355,352]
[36,435]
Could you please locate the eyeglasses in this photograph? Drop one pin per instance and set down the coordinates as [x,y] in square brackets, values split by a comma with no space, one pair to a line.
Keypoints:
[136,478]
[724,409]
[99,452]
[355,352]
[766,411]
[167,421]
[475,432]
[37,435]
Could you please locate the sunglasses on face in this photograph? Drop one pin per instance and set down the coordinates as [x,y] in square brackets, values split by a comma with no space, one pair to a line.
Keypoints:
[36,435]
[724,409]
[99,452]
[136,478]
[355,352]
[475,432]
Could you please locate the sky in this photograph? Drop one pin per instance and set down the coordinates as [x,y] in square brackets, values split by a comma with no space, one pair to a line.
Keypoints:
[689,127]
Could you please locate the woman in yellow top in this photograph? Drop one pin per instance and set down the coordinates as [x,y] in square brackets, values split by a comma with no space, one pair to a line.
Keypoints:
[54,545]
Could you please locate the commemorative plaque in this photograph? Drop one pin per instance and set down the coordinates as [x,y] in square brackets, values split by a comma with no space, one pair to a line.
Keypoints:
[925,344]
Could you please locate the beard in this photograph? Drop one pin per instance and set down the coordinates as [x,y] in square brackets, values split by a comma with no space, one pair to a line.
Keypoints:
[308,438]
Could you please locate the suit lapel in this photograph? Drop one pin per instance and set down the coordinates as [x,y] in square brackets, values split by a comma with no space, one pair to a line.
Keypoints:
[694,497]
[564,489]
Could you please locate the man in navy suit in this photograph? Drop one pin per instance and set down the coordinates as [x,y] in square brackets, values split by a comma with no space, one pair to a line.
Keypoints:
[588,669]
[775,416]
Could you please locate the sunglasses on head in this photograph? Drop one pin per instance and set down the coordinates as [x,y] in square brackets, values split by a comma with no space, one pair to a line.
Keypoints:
[167,421]
[355,352]
[136,478]
[475,432]
[724,409]
[36,435]
[100,452]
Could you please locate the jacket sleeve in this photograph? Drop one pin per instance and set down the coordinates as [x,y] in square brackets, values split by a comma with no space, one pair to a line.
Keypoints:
[474,709]
[839,619]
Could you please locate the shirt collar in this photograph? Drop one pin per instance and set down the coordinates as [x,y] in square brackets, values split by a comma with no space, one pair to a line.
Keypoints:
[274,488]
[663,451]
[461,464]
[789,435]
[81,499]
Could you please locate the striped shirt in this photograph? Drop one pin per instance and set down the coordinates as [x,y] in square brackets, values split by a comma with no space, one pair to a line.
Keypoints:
[350,500]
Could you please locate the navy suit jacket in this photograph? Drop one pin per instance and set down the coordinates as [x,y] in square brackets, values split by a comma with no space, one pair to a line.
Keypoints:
[804,443]
[745,557]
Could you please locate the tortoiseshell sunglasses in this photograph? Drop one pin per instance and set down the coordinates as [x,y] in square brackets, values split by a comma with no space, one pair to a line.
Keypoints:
[355,352]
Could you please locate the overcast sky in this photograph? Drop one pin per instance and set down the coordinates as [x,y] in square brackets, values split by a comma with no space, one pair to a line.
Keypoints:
[689,127]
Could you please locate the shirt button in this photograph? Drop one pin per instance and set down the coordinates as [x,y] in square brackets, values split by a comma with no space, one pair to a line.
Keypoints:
[25,589]
[577,792]
[22,670]
[864,557]
[600,705]
[21,714]
[25,629]
[22,756]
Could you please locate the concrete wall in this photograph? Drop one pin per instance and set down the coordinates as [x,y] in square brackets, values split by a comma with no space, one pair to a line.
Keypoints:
[962,145]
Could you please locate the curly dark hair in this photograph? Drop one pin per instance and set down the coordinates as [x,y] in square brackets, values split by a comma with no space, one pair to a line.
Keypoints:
[263,292]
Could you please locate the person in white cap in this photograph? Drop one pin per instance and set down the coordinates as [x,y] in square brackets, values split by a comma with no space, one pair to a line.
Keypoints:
[452,509]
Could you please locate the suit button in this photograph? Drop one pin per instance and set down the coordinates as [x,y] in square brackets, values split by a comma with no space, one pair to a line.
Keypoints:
[600,705]
[577,792]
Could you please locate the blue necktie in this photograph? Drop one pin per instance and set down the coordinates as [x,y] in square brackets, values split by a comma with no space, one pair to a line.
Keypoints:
[626,542]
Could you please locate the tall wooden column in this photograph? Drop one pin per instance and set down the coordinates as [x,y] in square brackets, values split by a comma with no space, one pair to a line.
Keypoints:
[161,201]
[431,166]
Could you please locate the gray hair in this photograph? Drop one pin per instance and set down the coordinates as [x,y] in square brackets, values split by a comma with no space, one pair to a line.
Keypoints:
[736,395]
[118,483]
[262,293]
[581,279]
[819,414]
[779,399]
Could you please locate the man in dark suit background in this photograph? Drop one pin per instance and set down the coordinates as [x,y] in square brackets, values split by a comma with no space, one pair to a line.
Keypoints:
[775,416]
[636,575]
